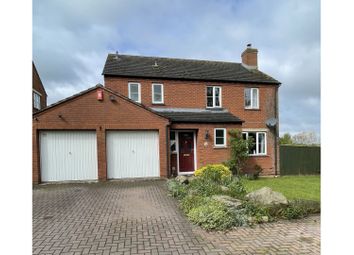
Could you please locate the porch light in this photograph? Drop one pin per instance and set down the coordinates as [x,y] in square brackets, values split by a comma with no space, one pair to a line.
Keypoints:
[206,135]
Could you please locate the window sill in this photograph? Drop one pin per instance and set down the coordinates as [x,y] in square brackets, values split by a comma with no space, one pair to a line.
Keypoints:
[157,103]
[259,155]
[252,109]
[220,147]
[211,108]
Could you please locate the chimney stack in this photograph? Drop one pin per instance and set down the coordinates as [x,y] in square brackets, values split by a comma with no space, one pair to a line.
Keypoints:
[249,57]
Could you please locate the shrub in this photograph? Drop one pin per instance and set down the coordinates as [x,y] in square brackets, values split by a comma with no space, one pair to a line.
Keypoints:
[216,172]
[239,151]
[236,189]
[212,215]
[191,201]
[293,212]
[240,217]
[300,208]
[204,187]
[176,189]
[256,211]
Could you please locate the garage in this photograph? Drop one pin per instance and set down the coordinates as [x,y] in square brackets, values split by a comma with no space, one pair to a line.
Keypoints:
[132,154]
[68,155]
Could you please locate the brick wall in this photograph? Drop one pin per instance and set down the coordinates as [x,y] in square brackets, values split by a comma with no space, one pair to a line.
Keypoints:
[87,113]
[38,86]
[191,94]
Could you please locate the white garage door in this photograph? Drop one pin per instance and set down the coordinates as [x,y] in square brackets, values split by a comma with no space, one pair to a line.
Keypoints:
[68,155]
[132,154]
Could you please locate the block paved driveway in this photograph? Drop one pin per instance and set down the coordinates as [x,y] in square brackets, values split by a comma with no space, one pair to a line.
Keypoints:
[138,217]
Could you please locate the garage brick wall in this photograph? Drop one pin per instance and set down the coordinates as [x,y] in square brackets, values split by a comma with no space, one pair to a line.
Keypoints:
[87,113]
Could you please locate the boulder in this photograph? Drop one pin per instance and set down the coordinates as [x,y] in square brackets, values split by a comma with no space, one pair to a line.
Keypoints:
[266,196]
[228,201]
[182,179]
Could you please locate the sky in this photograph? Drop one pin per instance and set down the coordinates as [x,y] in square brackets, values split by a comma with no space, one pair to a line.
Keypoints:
[71,40]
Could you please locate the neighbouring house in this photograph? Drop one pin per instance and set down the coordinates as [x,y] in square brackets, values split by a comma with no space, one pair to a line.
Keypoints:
[158,117]
[38,92]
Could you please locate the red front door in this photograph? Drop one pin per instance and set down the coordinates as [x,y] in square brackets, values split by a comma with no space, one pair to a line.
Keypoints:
[186,151]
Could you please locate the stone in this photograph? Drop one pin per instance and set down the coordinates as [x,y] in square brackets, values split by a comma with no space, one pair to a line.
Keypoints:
[265,219]
[228,201]
[251,220]
[266,196]
[224,189]
[182,179]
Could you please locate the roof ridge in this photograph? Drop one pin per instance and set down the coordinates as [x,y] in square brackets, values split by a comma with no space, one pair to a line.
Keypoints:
[175,58]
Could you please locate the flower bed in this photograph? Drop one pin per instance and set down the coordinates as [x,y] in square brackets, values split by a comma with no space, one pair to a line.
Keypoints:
[215,200]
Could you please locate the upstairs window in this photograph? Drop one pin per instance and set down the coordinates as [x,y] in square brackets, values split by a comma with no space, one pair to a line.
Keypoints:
[36,100]
[157,93]
[213,97]
[259,140]
[251,98]
[134,91]
[220,137]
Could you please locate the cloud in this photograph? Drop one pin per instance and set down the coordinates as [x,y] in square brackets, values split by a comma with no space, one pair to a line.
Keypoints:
[71,40]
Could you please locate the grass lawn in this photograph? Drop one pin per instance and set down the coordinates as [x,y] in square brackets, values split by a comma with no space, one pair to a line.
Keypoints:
[292,187]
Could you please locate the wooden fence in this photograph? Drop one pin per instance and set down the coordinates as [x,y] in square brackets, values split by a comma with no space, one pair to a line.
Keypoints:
[296,160]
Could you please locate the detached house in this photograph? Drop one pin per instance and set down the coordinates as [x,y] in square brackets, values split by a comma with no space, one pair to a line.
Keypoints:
[157,117]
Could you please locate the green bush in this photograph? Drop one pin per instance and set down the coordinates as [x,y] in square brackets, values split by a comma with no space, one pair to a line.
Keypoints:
[204,187]
[216,172]
[309,206]
[300,208]
[177,189]
[293,212]
[212,215]
[239,151]
[236,188]
[257,211]
[191,201]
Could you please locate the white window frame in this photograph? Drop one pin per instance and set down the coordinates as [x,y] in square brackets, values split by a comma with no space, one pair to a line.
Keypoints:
[35,93]
[153,92]
[220,145]
[175,142]
[257,142]
[252,99]
[139,91]
[220,96]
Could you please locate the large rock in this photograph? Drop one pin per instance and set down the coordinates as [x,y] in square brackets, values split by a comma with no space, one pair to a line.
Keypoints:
[228,201]
[266,196]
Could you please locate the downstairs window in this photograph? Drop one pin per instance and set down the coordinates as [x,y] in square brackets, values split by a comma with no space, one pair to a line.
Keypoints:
[259,140]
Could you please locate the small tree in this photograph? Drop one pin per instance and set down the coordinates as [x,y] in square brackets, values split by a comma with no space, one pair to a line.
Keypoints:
[239,151]
[286,139]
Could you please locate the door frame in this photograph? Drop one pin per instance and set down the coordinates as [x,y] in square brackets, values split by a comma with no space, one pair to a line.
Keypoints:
[194,149]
